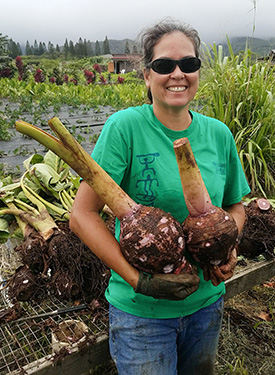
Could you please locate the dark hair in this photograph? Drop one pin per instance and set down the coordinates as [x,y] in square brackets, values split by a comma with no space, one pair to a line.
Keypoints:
[151,36]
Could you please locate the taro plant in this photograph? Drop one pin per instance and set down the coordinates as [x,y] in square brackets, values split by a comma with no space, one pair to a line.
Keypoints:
[240,92]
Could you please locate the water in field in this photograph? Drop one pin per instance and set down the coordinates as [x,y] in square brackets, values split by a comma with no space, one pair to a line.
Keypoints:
[85,125]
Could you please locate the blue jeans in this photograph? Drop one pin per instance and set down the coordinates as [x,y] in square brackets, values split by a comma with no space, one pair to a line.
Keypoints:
[180,346]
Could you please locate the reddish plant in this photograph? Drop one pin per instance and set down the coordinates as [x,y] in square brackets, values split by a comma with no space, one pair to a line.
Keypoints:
[20,67]
[52,79]
[6,73]
[103,80]
[66,78]
[89,76]
[74,81]
[97,68]
[120,79]
[39,76]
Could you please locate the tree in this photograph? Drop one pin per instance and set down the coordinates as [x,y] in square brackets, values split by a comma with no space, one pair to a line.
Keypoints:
[106,47]
[14,49]
[135,50]
[97,48]
[66,48]
[79,48]
[44,47]
[85,48]
[35,48]
[19,49]
[51,50]
[127,48]
[71,48]
[28,49]
[4,57]
[90,51]
[41,49]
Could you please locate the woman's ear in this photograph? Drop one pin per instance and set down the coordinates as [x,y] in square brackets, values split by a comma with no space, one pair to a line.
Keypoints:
[146,75]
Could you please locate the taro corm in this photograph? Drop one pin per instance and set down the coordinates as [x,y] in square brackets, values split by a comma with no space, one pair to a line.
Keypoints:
[210,231]
[151,240]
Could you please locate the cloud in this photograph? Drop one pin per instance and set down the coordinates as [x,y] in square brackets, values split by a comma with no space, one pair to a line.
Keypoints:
[93,20]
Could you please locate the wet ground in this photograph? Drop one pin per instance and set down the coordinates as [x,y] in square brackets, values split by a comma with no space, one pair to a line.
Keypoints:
[85,125]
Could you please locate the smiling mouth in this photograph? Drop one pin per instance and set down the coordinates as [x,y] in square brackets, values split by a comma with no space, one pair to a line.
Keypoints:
[177,88]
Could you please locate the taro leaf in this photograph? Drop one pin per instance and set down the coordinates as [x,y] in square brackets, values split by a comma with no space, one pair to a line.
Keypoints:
[6,181]
[17,233]
[12,187]
[54,161]
[35,158]
[57,164]
[4,230]
[46,174]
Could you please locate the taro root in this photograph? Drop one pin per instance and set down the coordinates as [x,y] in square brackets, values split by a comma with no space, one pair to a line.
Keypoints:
[33,251]
[210,232]
[149,243]
[258,235]
[11,313]
[76,273]
[24,285]
[147,233]
[64,287]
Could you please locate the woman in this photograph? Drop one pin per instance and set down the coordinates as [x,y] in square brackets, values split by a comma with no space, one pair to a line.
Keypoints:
[150,335]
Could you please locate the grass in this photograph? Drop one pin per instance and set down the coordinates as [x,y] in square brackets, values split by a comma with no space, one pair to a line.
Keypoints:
[239,91]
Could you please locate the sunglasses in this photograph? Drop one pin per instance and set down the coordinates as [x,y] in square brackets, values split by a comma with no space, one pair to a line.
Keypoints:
[166,66]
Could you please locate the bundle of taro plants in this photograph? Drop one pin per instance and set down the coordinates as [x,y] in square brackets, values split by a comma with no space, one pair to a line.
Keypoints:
[258,237]
[150,239]
[53,260]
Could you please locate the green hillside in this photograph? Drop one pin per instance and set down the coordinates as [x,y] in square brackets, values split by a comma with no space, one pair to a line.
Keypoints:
[260,47]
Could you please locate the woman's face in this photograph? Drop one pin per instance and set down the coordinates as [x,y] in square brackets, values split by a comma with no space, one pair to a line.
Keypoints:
[174,90]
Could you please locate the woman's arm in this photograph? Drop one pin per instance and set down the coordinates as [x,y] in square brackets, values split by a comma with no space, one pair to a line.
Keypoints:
[87,224]
[217,274]
[238,213]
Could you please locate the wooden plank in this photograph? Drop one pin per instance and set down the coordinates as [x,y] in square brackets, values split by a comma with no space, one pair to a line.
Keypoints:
[78,362]
[250,277]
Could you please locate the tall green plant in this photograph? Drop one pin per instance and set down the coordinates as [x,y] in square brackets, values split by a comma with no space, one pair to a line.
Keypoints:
[240,92]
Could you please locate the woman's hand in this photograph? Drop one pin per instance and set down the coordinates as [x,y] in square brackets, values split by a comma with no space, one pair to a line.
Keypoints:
[174,287]
[217,274]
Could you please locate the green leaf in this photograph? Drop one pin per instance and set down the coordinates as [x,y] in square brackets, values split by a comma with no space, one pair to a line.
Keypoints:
[4,230]
[45,173]
[35,158]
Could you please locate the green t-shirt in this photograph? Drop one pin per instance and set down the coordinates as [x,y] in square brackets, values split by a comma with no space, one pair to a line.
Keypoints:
[137,151]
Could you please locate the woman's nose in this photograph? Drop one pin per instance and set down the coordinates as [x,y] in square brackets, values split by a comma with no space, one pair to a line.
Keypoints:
[177,72]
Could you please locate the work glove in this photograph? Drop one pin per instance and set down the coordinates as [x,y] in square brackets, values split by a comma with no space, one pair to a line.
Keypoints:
[217,274]
[167,286]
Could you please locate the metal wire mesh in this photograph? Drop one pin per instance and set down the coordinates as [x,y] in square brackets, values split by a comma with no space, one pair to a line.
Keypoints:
[25,342]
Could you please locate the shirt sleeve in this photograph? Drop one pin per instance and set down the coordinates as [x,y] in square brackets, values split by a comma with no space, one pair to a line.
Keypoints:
[110,151]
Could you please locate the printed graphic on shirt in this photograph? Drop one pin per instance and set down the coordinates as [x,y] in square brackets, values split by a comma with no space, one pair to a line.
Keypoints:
[147,183]
[219,168]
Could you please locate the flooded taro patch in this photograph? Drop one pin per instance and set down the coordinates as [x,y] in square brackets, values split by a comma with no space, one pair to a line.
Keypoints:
[84,123]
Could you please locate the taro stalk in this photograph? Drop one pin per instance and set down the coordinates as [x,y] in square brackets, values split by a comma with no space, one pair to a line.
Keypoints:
[210,231]
[151,240]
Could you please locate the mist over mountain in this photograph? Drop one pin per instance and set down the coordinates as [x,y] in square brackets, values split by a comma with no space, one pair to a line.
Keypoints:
[261,47]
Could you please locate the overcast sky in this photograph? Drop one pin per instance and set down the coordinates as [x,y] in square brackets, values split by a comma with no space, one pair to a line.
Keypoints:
[56,20]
